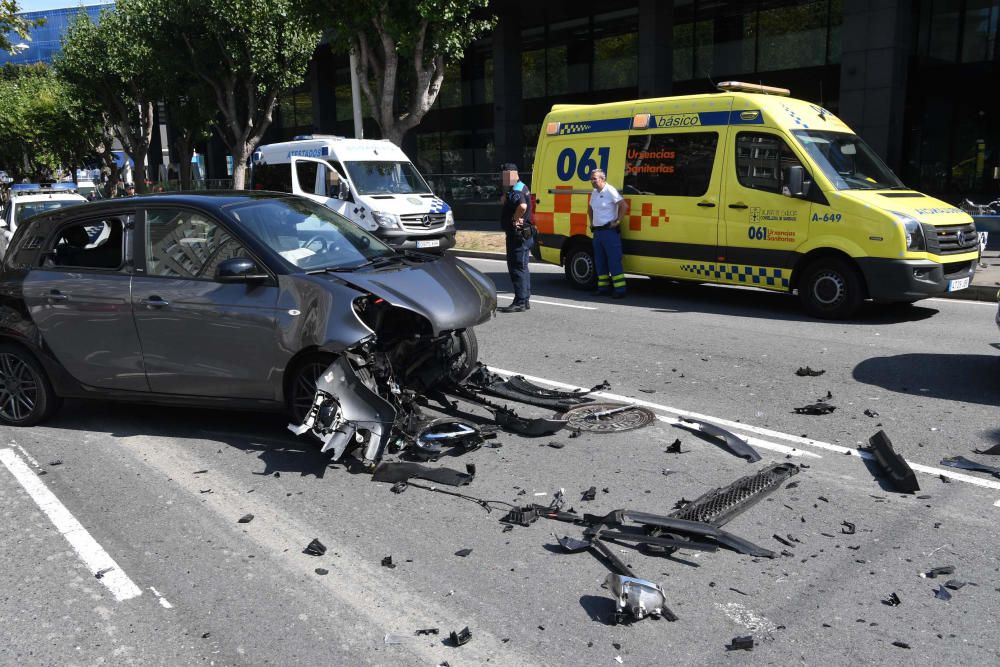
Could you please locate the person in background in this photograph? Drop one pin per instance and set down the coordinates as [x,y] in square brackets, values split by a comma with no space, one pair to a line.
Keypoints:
[607,211]
[515,221]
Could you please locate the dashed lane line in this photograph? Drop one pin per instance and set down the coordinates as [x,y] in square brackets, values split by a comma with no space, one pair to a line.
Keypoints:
[90,552]
[739,426]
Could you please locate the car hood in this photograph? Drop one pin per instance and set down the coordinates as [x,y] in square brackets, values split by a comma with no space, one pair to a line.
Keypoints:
[405,204]
[918,206]
[449,293]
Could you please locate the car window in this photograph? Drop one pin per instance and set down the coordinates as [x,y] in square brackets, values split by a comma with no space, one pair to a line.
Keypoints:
[277,177]
[91,244]
[25,210]
[186,244]
[674,164]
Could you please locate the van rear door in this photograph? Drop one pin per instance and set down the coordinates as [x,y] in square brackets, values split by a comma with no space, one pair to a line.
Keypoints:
[673,183]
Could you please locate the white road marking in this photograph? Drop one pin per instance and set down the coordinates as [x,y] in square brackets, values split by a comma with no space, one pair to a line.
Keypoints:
[968,301]
[90,552]
[25,454]
[739,426]
[507,295]
[163,600]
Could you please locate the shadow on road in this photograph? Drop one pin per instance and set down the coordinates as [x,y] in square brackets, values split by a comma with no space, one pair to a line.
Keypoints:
[971,378]
[668,296]
[278,449]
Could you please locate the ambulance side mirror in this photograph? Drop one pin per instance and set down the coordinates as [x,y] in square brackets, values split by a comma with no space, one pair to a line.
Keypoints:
[344,191]
[794,185]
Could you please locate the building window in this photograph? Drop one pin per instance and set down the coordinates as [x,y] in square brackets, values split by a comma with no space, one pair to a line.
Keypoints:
[792,37]
[979,30]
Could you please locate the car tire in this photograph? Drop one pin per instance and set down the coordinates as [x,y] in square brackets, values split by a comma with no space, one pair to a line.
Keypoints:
[302,384]
[831,289]
[581,270]
[467,358]
[26,395]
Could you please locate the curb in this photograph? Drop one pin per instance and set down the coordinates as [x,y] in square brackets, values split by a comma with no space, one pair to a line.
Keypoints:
[970,293]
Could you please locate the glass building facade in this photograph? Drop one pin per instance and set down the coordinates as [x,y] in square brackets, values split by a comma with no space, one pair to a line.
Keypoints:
[910,76]
[45,42]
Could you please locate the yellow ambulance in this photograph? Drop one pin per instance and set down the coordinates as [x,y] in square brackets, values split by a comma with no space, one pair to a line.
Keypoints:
[747,186]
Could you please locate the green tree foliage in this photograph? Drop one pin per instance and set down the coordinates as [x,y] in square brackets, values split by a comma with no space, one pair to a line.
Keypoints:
[13,26]
[246,52]
[110,65]
[403,48]
[43,125]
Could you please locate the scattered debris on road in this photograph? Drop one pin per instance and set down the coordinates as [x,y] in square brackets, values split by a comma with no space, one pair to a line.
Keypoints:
[897,470]
[246,518]
[871,413]
[968,464]
[741,644]
[460,638]
[730,441]
[892,600]
[463,552]
[635,599]
[816,409]
[404,471]
[938,571]
[315,548]
[387,562]
[808,372]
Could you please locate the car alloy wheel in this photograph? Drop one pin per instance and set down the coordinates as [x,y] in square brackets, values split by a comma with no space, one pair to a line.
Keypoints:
[18,388]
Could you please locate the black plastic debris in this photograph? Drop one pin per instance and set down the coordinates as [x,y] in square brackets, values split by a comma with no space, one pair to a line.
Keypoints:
[938,571]
[968,464]
[945,479]
[954,584]
[575,433]
[675,447]
[994,450]
[815,409]
[892,601]
[871,413]
[942,593]
[403,471]
[847,528]
[808,372]
[58,462]
[427,631]
[897,470]
[322,571]
[741,644]
[573,545]
[791,485]
[463,552]
[782,540]
[246,518]
[521,517]
[517,388]
[462,637]
[387,562]
[315,548]
[507,528]
[735,444]
[901,644]
[556,445]
[590,493]
[196,472]
[100,573]
[399,487]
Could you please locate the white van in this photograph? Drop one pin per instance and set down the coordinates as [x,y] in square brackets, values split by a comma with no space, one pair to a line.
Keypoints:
[370,182]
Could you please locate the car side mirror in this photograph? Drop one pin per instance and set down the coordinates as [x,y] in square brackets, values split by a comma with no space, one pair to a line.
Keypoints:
[239,270]
[344,191]
[795,181]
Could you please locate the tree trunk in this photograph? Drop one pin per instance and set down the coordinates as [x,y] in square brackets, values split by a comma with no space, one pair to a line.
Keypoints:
[240,157]
[184,146]
[138,157]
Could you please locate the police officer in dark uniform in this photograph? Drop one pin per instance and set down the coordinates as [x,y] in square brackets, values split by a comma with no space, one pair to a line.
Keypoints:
[515,220]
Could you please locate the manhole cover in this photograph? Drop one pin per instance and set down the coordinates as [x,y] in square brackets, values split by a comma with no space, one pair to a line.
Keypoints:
[607,417]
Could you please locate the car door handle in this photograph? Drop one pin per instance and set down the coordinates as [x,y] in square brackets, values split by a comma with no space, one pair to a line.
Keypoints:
[154,302]
[707,204]
[738,204]
[56,295]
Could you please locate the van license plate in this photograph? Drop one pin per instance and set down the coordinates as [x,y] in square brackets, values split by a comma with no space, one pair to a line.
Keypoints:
[955,285]
[434,243]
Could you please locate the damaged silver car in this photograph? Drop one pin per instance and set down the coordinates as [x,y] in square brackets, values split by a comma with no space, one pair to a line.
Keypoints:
[237,299]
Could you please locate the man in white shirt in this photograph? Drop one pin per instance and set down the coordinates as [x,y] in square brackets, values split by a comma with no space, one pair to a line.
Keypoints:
[607,212]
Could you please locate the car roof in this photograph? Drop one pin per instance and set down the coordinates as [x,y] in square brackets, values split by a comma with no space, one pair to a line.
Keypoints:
[53,196]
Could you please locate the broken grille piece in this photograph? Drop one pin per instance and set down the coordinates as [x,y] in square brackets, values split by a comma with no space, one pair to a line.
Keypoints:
[720,505]
[608,417]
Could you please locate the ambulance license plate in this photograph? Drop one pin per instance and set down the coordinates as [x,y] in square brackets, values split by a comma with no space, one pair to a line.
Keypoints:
[434,243]
[955,285]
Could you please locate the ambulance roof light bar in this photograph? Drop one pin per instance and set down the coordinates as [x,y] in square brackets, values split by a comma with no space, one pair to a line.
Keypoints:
[742,87]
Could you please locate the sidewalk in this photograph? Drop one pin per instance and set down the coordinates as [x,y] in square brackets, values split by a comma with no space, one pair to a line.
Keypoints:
[984,286]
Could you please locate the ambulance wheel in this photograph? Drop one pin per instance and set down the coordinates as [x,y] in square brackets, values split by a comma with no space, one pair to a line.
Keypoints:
[831,289]
[581,270]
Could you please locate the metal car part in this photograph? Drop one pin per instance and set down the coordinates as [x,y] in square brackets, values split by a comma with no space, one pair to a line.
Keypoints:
[898,471]
[732,442]
[608,417]
[635,599]
[720,505]
[403,471]
[431,439]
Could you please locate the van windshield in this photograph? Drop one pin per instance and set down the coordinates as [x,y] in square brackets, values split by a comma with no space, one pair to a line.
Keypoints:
[386,178]
[848,161]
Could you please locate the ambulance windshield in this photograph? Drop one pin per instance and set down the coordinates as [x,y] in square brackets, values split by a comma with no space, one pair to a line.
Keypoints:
[386,178]
[847,161]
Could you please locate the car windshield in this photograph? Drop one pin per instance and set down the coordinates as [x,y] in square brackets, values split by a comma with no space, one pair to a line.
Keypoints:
[308,235]
[386,178]
[25,210]
[848,161]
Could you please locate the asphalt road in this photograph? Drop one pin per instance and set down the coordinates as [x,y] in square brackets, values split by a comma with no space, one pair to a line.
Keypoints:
[157,493]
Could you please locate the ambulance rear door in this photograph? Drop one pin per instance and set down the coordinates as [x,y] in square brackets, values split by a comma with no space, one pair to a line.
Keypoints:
[673,183]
